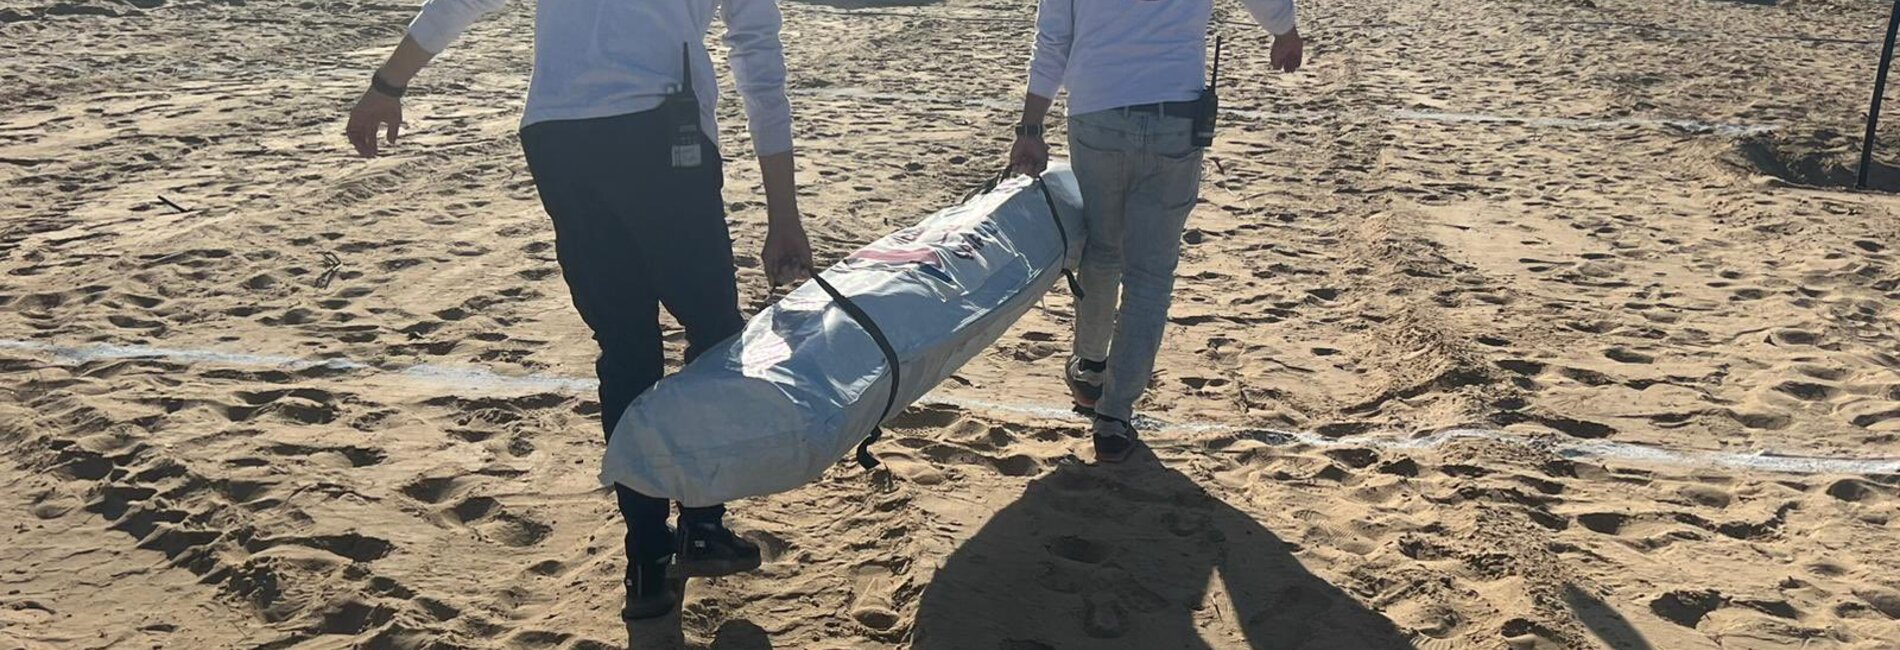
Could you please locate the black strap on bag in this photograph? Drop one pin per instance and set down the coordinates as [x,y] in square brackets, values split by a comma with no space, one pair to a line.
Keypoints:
[865,459]
[985,188]
[1075,285]
[857,314]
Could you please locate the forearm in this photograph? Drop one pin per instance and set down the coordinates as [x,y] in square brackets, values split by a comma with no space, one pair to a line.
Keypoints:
[1035,108]
[405,62]
[780,171]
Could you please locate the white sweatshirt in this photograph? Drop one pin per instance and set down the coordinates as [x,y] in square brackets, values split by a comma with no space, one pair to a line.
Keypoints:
[1115,53]
[599,58]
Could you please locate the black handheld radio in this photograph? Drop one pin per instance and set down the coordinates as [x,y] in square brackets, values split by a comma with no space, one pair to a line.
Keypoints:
[682,110]
[1209,104]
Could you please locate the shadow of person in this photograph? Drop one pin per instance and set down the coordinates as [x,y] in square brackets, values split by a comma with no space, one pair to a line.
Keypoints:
[666,633]
[1604,621]
[741,635]
[1134,555]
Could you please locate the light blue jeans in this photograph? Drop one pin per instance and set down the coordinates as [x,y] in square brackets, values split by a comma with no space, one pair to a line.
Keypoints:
[1140,174]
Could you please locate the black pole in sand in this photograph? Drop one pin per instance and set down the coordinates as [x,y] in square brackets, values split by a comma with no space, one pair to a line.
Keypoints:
[1880,88]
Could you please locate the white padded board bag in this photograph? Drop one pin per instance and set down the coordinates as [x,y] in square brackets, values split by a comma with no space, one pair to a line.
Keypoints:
[768,410]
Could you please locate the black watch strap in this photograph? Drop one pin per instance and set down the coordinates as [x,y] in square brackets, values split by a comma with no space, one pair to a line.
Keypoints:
[1030,130]
[378,84]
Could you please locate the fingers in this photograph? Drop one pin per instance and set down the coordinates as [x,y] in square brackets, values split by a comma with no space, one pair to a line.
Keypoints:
[787,273]
[352,131]
[368,148]
[788,262]
[795,274]
[371,114]
[1288,54]
[1028,162]
[363,140]
[362,135]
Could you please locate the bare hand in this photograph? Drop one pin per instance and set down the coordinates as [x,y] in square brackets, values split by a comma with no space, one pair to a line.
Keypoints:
[1030,155]
[373,112]
[787,254]
[1289,51]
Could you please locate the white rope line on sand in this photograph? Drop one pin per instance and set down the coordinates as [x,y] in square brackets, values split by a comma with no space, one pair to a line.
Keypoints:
[483,379]
[1765,461]
[1397,114]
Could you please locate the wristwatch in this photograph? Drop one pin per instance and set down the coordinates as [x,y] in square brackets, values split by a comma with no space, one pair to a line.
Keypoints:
[1030,130]
[378,84]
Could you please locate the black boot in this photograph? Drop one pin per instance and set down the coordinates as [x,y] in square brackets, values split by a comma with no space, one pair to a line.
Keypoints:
[651,593]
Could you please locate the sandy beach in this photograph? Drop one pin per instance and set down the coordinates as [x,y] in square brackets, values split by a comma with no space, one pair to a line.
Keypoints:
[1502,324]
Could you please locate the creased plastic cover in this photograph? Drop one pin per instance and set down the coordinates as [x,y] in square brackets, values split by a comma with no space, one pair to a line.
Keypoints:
[770,409]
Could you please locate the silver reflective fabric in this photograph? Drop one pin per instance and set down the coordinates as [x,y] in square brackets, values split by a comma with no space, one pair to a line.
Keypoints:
[770,409]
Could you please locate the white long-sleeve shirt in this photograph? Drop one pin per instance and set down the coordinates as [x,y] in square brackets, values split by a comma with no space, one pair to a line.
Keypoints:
[1115,53]
[599,58]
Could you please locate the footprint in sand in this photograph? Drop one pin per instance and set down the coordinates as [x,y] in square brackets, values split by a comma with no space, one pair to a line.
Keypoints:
[433,490]
[493,522]
[1077,549]
[1011,465]
[356,547]
[1626,355]
[352,456]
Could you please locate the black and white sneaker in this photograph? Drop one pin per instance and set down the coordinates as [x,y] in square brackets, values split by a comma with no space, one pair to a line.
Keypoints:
[1115,439]
[710,550]
[1085,382]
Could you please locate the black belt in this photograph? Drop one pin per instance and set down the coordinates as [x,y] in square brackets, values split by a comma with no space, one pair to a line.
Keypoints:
[1164,109]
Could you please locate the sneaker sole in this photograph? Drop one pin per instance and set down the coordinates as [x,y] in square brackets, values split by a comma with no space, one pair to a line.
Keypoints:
[713,568]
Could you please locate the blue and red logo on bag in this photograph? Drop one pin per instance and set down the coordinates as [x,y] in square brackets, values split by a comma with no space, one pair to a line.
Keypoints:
[931,252]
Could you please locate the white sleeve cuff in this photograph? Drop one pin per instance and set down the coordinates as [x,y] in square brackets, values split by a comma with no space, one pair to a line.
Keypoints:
[432,35]
[1042,85]
[1278,16]
[771,139]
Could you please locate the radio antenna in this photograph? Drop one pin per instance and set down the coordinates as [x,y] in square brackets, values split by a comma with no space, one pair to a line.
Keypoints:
[1215,81]
[686,67]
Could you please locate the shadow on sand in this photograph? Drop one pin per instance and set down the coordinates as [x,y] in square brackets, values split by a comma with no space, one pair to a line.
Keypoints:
[741,635]
[665,633]
[1134,556]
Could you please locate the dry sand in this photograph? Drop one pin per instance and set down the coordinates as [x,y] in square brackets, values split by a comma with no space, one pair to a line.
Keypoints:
[1550,219]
